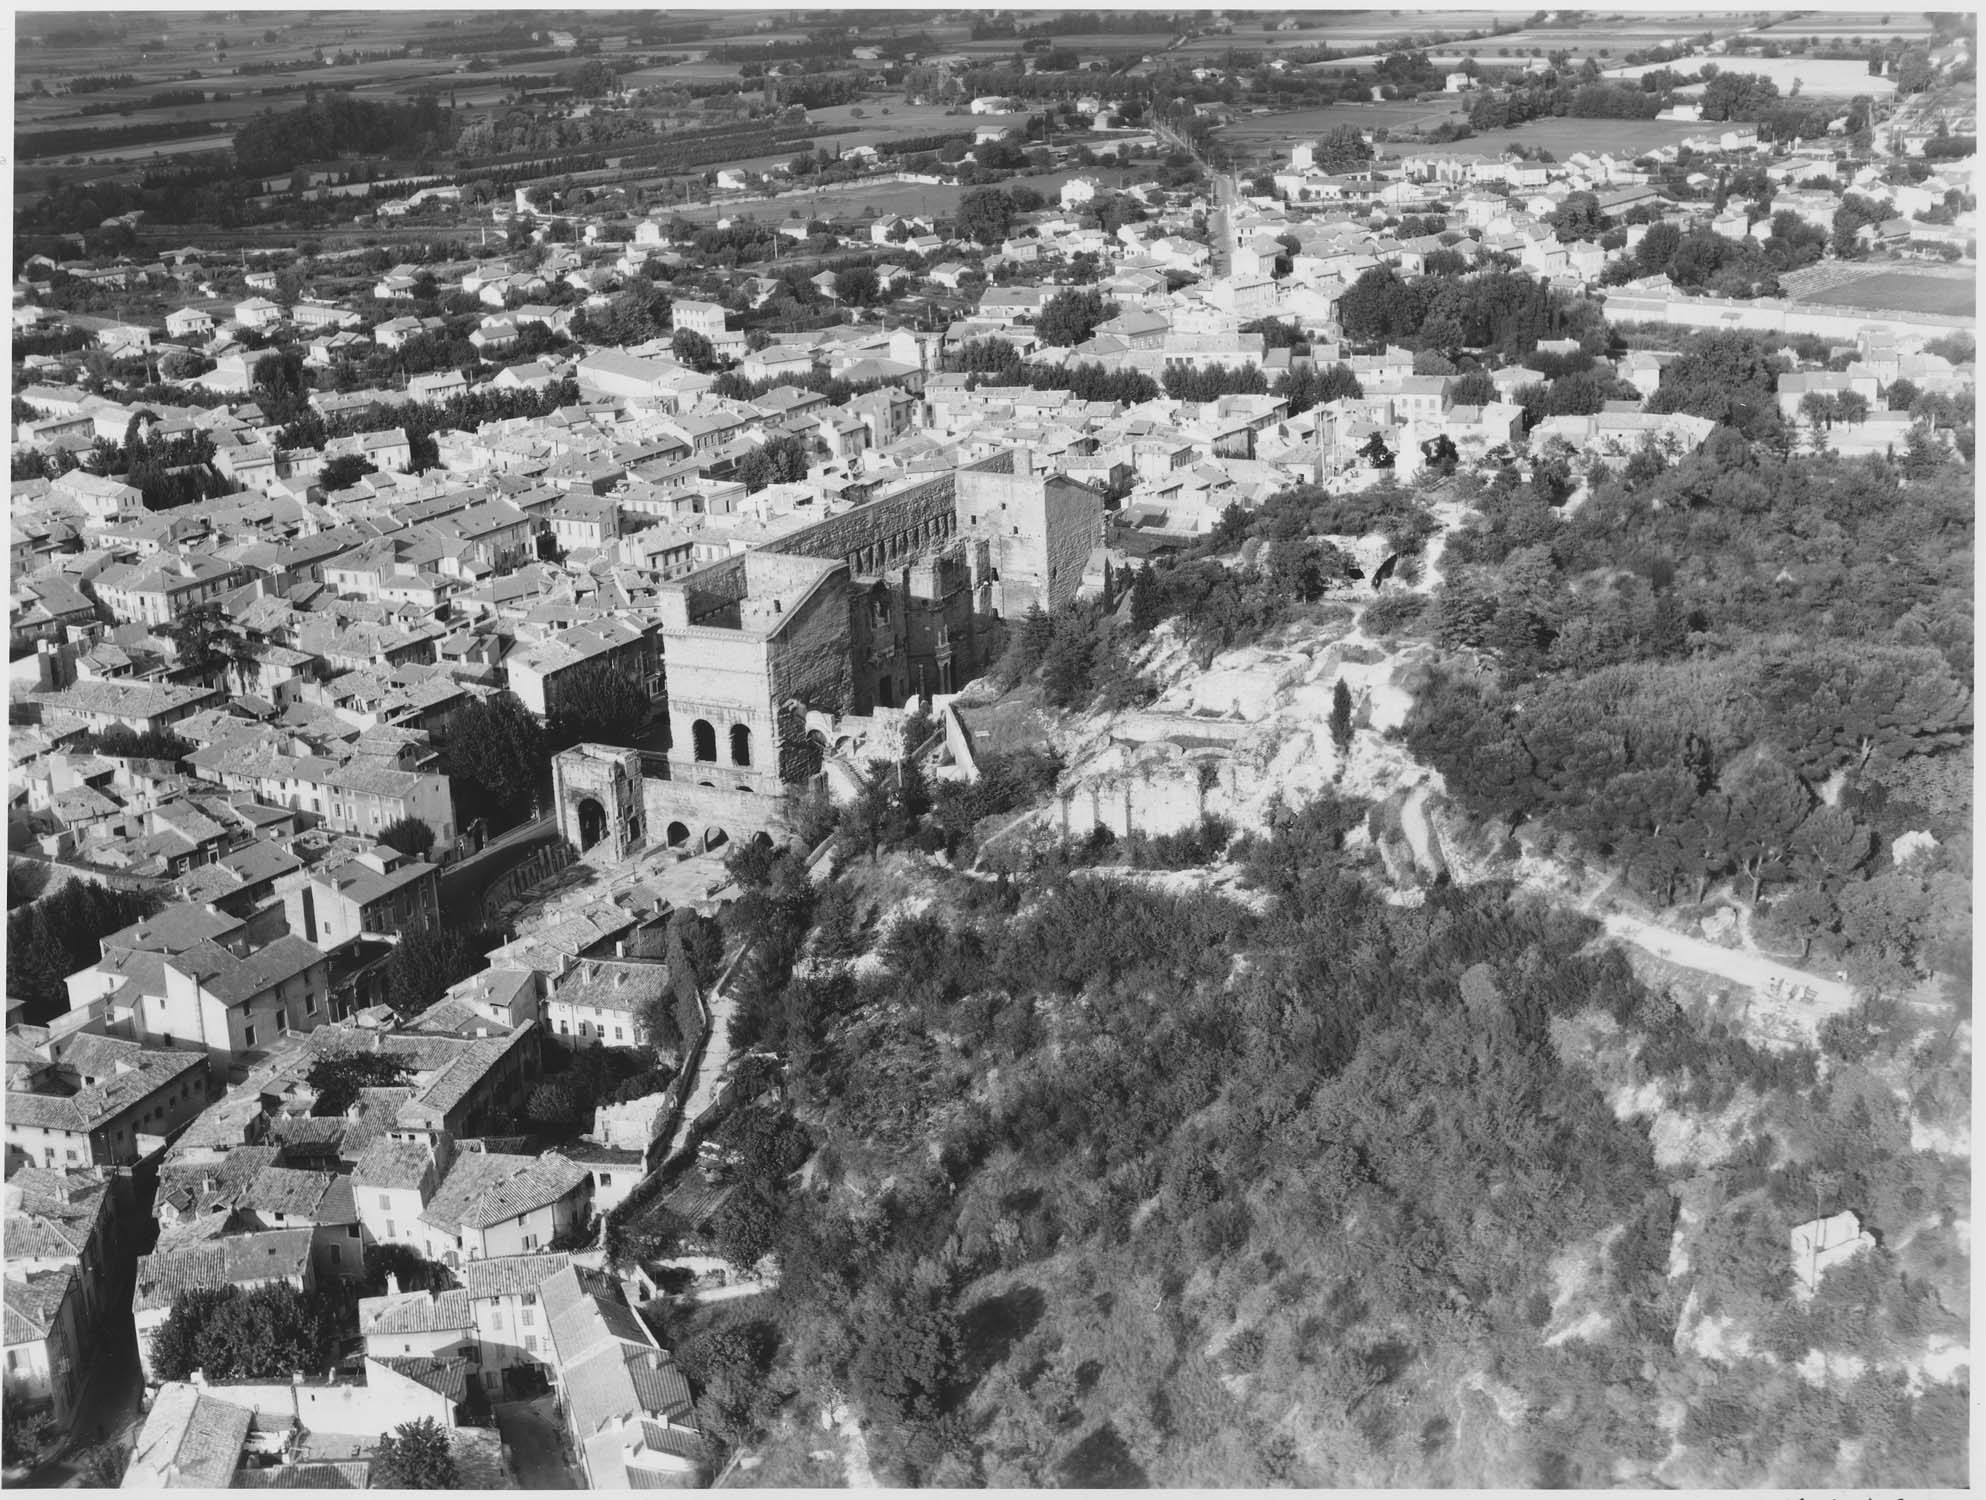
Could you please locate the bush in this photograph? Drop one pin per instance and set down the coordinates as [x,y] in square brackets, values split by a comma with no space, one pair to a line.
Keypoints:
[1398,613]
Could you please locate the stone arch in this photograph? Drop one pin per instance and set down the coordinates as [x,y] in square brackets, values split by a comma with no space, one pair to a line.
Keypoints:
[761,840]
[678,834]
[741,744]
[592,822]
[703,740]
[715,838]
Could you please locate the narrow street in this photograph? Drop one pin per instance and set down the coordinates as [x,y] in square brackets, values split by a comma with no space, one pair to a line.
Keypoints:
[536,1440]
[106,1413]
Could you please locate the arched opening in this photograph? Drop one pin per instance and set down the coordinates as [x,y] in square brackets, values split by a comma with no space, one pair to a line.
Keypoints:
[885,693]
[592,823]
[816,752]
[679,835]
[741,745]
[714,838]
[762,839]
[703,740]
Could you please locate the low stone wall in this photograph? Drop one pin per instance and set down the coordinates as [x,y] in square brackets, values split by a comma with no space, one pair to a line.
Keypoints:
[540,864]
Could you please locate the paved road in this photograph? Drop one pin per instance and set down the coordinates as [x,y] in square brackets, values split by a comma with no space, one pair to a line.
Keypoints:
[537,1445]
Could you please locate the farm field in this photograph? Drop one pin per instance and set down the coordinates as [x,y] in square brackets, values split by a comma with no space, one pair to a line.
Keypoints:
[1273,135]
[1562,137]
[1815,75]
[1901,291]
[1846,23]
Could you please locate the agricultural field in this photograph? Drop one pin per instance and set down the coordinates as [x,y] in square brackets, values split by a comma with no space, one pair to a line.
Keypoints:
[1824,77]
[1913,291]
[1834,25]
[1261,137]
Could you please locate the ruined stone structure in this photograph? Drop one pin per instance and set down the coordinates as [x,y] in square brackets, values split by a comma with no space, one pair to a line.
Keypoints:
[862,612]
[893,600]
[597,790]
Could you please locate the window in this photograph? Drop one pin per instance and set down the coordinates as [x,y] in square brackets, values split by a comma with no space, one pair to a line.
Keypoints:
[530,1243]
[606,1178]
[384,1201]
[389,1229]
[528,1318]
[618,1034]
[337,1255]
[248,1036]
[531,1343]
[351,1231]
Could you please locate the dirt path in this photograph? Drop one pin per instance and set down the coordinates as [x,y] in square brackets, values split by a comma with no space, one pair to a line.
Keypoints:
[855,1450]
[1788,1004]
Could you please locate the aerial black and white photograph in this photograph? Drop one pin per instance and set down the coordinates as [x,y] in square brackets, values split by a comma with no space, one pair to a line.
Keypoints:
[892,748]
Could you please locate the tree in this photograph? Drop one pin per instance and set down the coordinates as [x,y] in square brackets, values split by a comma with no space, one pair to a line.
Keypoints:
[1578,218]
[415,1456]
[24,1424]
[413,1271]
[1070,317]
[409,835]
[423,965]
[338,1079]
[494,757]
[600,702]
[230,1334]
[343,472]
[1342,149]
[204,638]
[1376,453]
[856,285]
[693,349]
[1341,717]
[985,214]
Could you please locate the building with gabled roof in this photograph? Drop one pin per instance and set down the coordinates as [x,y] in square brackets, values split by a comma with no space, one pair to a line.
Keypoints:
[190,1440]
[246,1261]
[626,1403]
[45,1330]
[492,1203]
[82,1099]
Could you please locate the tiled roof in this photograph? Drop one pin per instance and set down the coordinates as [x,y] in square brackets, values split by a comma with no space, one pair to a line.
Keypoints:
[416,1312]
[126,1075]
[286,1190]
[506,1275]
[238,1260]
[190,1441]
[208,1184]
[393,1164]
[445,1377]
[351,1474]
[486,1188]
[33,1301]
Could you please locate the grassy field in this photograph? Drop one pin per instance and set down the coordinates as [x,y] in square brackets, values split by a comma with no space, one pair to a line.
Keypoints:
[1263,136]
[1903,292]
[1816,76]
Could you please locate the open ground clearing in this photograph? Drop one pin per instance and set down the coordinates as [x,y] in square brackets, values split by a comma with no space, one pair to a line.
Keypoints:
[1901,291]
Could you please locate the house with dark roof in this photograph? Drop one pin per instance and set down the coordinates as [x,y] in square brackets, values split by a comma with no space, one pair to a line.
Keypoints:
[80,1099]
[626,1404]
[512,1334]
[190,1440]
[45,1333]
[494,1203]
[243,1260]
